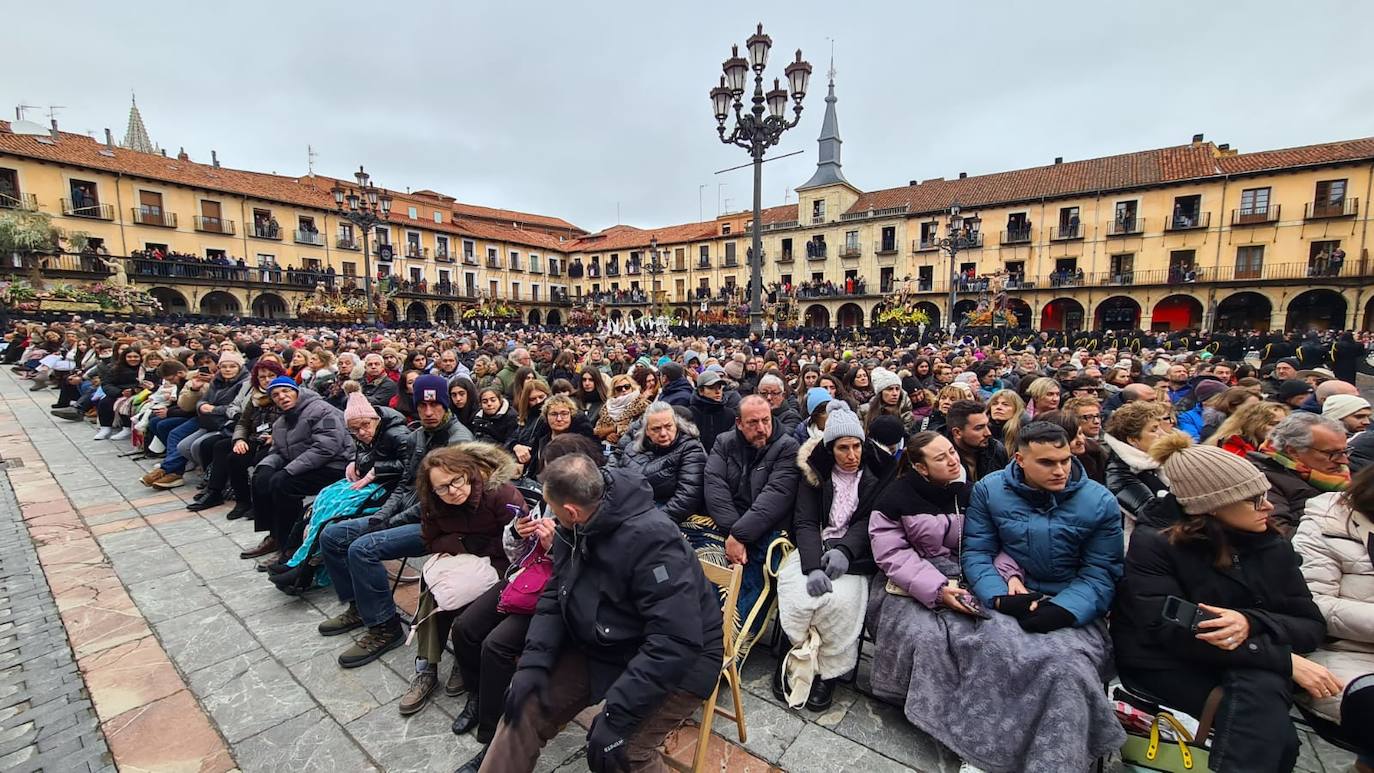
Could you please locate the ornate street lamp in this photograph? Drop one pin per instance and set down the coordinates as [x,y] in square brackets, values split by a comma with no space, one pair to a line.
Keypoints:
[955,240]
[756,132]
[655,269]
[365,207]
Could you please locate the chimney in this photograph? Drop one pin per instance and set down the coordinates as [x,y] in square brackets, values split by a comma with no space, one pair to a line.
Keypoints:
[1197,139]
[109,139]
[1058,159]
[1224,146]
[963,175]
[214,158]
[54,128]
[164,152]
[181,155]
[913,182]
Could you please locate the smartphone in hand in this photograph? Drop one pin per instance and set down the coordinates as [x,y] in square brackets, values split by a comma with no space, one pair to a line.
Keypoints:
[1184,613]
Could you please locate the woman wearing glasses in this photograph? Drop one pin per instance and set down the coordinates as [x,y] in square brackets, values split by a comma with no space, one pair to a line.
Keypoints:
[1257,616]
[1132,474]
[625,404]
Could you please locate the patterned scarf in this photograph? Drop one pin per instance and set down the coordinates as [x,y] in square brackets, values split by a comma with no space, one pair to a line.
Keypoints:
[844,503]
[1321,481]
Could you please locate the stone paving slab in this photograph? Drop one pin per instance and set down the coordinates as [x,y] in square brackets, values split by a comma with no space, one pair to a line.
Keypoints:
[193,661]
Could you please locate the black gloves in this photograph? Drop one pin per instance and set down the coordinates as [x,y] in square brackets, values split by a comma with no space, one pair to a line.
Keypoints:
[1017,605]
[1046,617]
[526,684]
[606,747]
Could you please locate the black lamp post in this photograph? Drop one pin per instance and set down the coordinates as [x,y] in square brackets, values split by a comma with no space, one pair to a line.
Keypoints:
[655,268]
[756,132]
[955,240]
[364,207]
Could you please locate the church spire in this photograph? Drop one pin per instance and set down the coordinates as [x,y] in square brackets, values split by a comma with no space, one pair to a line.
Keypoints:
[828,171]
[136,136]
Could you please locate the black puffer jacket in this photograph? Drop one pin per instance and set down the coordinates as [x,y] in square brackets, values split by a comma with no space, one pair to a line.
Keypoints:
[389,452]
[674,473]
[766,479]
[815,496]
[631,597]
[403,505]
[713,419]
[1262,582]
[1141,492]
[496,428]
[379,392]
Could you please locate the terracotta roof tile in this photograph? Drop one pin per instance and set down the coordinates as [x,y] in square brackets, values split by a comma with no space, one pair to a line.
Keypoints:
[1307,155]
[625,237]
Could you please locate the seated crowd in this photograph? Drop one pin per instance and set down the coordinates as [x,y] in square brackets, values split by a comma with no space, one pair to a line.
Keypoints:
[1005,531]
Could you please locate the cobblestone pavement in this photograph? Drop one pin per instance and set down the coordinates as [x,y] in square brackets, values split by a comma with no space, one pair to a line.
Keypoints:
[245,673]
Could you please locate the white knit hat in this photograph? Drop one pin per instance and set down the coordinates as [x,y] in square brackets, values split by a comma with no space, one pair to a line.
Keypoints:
[1338,407]
[882,378]
[840,421]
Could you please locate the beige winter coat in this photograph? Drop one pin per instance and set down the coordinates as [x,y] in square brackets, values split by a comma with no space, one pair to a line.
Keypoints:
[1333,543]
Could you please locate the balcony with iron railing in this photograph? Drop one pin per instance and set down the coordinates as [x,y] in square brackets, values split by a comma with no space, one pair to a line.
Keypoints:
[416,252]
[309,237]
[157,217]
[1066,232]
[1322,210]
[65,265]
[633,269]
[1255,215]
[347,243]
[23,201]
[493,262]
[703,262]
[927,244]
[1126,226]
[613,270]
[885,247]
[469,259]
[443,256]
[785,257]
[1020,235]
[815,250]
[266,230]
[1191,221]
[779,226]
[92,211]
[874,213]
[850,251]
[575,271]
[214,225]
[730,261]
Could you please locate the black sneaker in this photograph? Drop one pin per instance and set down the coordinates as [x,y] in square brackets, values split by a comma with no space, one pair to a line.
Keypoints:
[378,641]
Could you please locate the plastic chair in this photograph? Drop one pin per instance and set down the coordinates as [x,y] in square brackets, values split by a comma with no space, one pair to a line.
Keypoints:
[727,580]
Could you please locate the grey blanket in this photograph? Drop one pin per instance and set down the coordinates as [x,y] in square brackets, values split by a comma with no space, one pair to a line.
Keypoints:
[1002,699]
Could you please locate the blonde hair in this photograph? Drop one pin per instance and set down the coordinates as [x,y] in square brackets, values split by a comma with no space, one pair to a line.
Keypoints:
[1251,422]
[1011,426]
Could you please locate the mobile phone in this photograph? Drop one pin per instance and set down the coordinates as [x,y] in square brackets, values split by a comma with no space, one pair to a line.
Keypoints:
[968,600]
[203,370]
[1184,613]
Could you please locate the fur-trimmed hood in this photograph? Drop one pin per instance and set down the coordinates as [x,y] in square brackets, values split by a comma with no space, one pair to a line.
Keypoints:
[498,465]
[809,470]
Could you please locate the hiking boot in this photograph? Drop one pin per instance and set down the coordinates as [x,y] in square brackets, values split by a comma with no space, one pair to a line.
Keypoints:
[171,480]
[343,622]
[268,545]
[378,641]
[421,687]
[152,476]
[454,686]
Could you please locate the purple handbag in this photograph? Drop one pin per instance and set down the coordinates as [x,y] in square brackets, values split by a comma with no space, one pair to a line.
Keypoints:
[521,594]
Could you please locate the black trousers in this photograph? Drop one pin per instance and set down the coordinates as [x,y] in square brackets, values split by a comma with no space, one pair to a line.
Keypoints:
[104,410]
[278,495]
[1252,732]
[486,644]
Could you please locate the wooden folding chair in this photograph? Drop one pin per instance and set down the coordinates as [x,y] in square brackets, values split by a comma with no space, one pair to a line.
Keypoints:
[727,580]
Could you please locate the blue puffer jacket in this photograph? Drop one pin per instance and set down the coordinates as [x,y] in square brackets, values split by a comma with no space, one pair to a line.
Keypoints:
[1191,421]
[1069,543]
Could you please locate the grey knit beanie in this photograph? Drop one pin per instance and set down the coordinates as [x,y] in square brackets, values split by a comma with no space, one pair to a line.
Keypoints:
[841,422]
[882,378]
[1205,478]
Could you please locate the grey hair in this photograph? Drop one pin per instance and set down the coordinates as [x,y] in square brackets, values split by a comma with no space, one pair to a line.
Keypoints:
[684,426]
[573,479]
[1295,432]
[774,381]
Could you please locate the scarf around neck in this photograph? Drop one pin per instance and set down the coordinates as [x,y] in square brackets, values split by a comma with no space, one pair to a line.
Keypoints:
[617,406]
[844,503]
[1321,481]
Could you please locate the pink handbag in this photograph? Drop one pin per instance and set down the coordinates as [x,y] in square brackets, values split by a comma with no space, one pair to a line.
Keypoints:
[521,595]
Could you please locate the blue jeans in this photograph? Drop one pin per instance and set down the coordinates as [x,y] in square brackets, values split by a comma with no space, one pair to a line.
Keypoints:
[174,461]
[354,551]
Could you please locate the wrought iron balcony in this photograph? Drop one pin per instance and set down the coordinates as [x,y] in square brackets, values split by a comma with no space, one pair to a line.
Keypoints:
[1189,222]
[443,256]
[24,201]
[1255,215]
[266,231]
[885,247]
[1065,233]
[214,225]
[1017,235]
[1126,226]
[786,257]
[850,251]
[157,217]
[416,252]
[309,237]
[344,243]
[92,211]
[927,244]
[1320,210]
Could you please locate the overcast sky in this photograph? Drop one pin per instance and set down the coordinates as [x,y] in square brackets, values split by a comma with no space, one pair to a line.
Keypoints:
[577,109]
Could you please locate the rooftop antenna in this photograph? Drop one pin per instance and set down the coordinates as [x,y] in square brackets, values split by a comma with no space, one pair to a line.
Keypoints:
[310,155]
[19,111]
[831,72]
[52,111]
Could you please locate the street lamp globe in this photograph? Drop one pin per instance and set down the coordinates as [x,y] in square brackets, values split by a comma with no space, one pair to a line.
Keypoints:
[798,76]
[720,101]
[735,69]
[386,204]
[338,192]
[777,100]
[758,45]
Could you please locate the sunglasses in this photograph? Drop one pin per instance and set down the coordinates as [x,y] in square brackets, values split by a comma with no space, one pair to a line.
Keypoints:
[623,388]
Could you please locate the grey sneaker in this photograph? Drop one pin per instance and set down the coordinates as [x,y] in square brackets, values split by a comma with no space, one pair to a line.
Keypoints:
[343,622]
[421,687]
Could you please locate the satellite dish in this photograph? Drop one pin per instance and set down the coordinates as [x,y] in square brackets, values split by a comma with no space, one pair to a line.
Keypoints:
[28,128]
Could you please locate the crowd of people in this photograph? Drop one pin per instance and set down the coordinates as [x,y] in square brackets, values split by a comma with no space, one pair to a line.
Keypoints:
[1005,527]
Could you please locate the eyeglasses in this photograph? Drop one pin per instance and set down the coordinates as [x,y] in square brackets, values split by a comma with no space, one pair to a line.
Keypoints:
[453,486]
[769,393]
[560,414]
[1331,456]
[1258,501]
[624,388]
[1090,417]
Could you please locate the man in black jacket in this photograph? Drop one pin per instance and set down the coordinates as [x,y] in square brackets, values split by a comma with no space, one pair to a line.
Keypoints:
[710,413]
[377,386]
[354,549]
[966,426]
[751,481]
[628,617]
